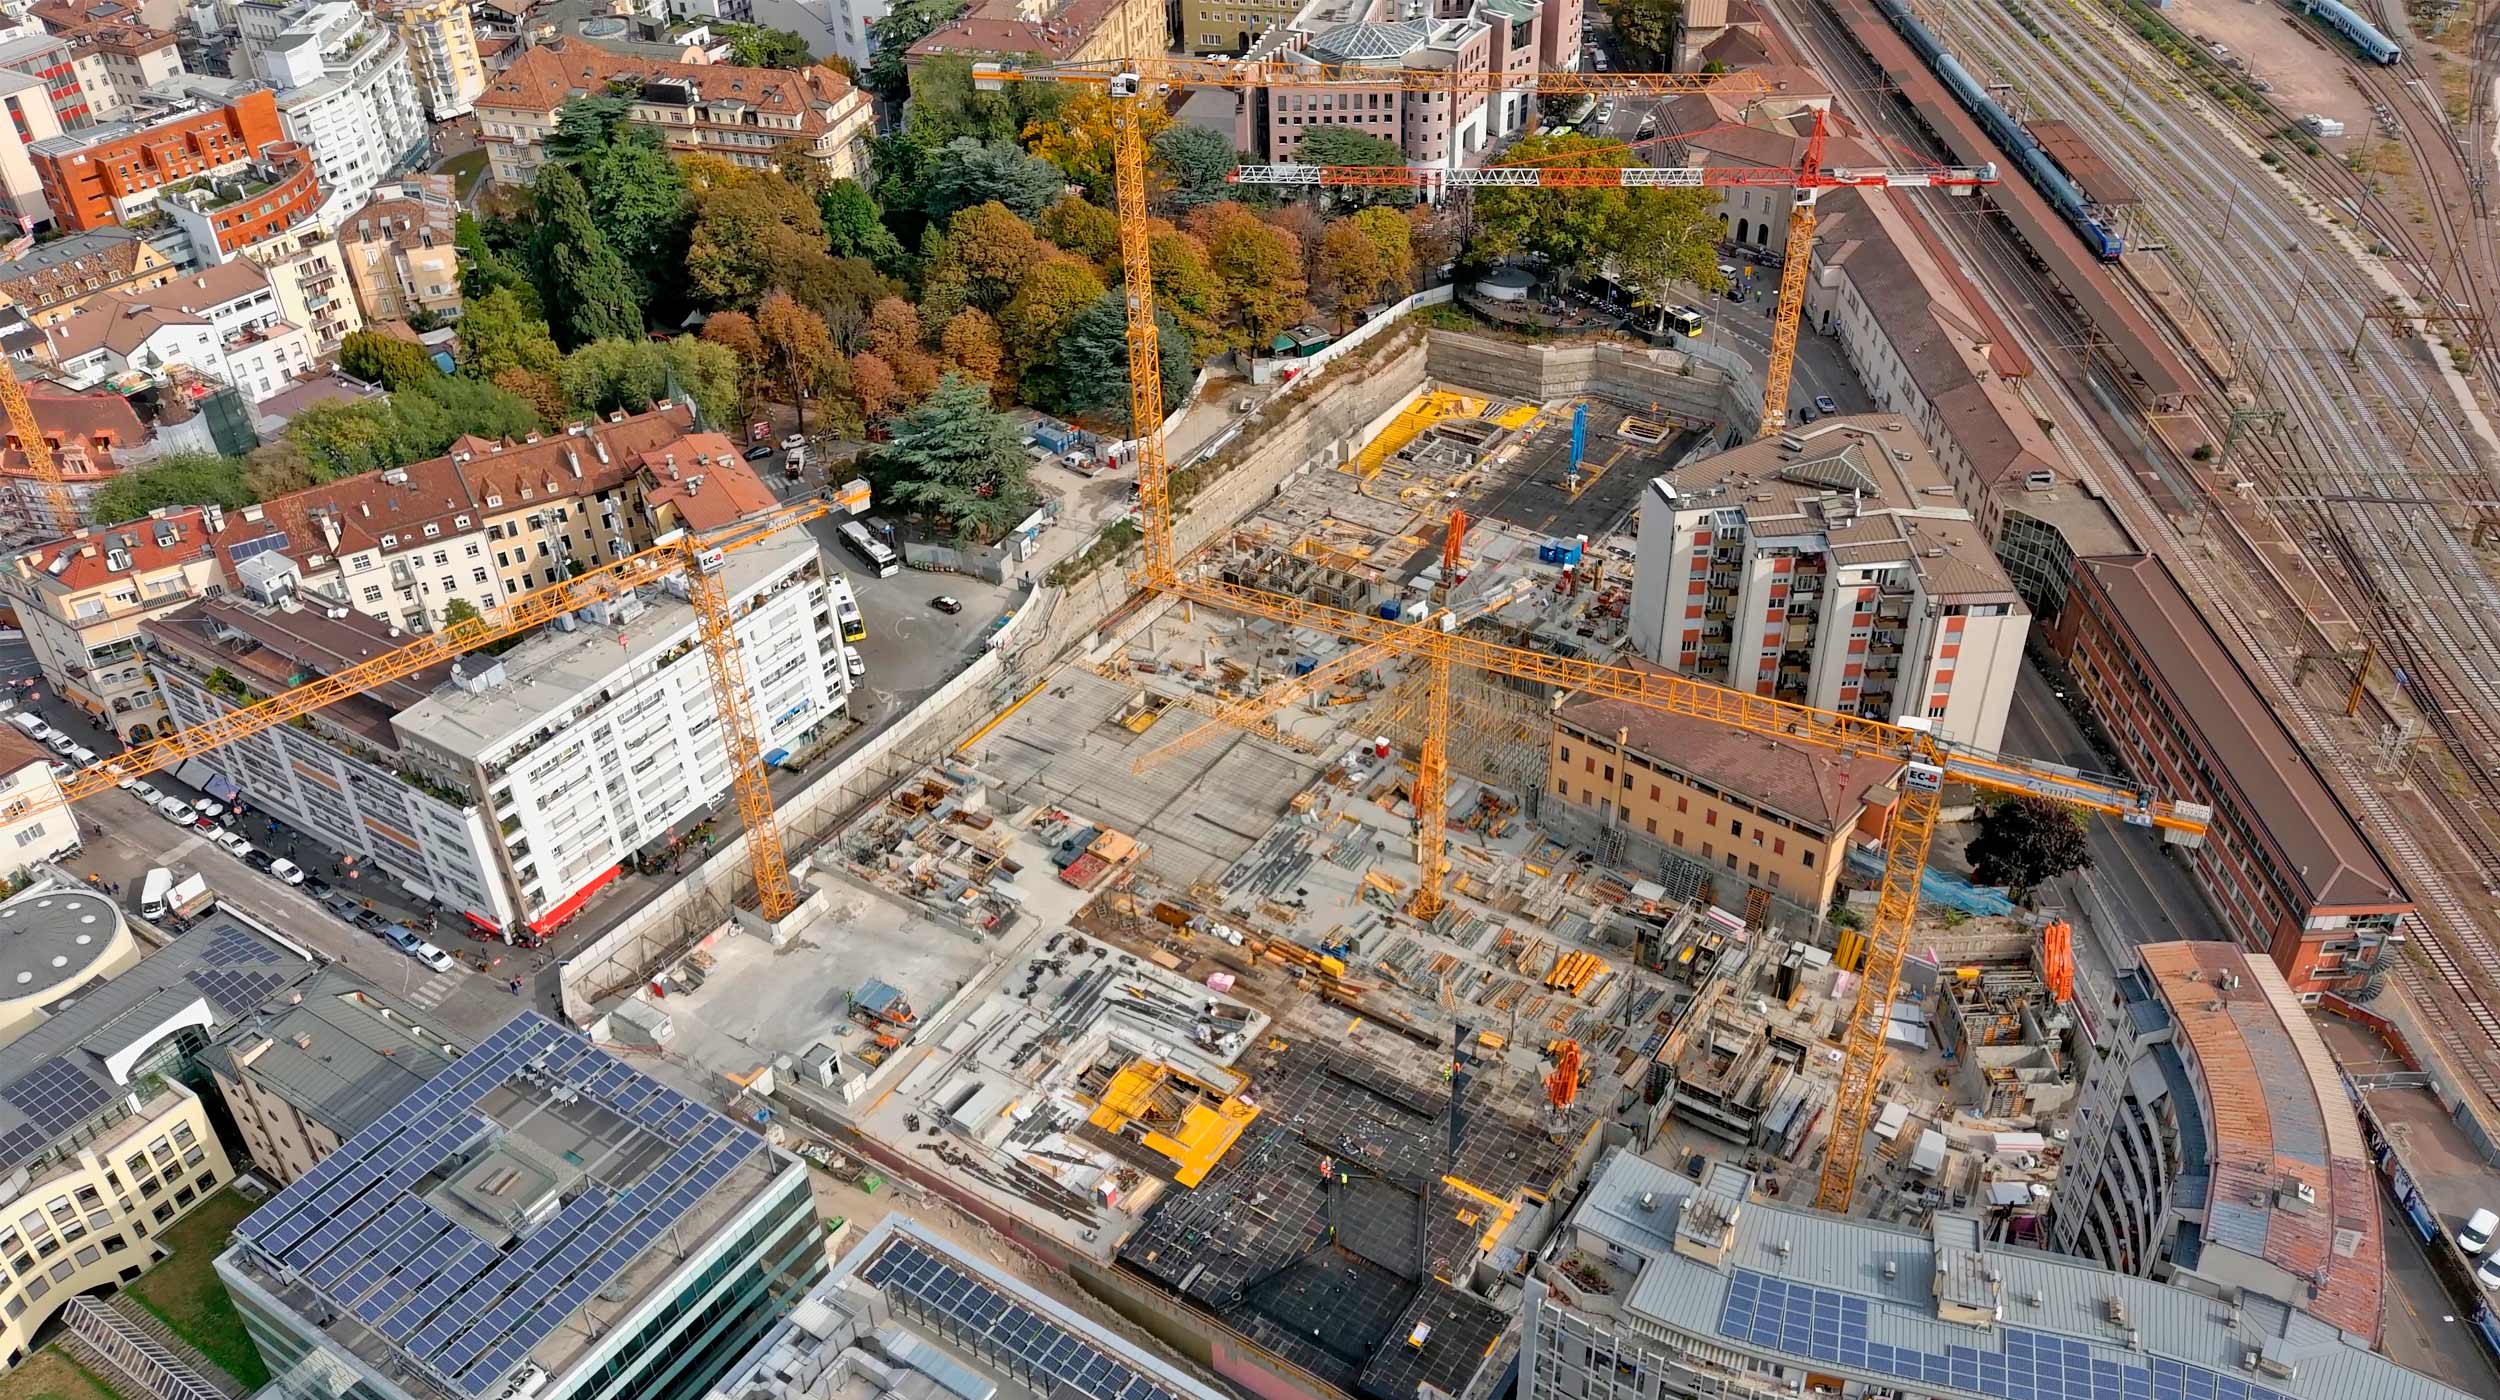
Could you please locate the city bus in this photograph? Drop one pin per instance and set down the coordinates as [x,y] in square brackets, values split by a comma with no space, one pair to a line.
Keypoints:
[1685,319]
[871,550]
[846,612]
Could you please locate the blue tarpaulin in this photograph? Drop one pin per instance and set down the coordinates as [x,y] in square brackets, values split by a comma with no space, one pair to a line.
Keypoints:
[1935,887]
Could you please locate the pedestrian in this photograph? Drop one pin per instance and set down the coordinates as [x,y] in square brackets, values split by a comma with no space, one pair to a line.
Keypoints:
[516,986]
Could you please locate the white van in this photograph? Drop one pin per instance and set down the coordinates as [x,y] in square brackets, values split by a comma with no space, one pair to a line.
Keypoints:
[28,725]
[2478,1231]
[154,893]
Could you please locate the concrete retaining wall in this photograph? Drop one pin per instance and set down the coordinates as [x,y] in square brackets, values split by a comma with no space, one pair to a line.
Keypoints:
[1670,382]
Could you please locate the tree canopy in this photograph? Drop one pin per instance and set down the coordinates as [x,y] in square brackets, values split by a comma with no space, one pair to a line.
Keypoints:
[754,46]
[969,172]
[588,291]
[855,226]
[178,479]
[1343,145]
[2025,842]
[386,360]
[1259,268]
[1581,228]
[960,460]
[1191,163]
[1089,376]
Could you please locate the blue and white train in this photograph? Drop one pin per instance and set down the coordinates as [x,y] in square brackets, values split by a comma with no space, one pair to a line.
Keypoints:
[2344,20]
[2063,194]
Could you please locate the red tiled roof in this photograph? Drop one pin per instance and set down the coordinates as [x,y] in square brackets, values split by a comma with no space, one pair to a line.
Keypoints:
[702,476]
[546,77]
[82,428]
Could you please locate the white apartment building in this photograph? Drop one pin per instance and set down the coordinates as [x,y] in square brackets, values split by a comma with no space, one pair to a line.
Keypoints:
[226,323]
[598,736]
[1831,566]
[345,89]
[118,63]
[28,104]
[35,824]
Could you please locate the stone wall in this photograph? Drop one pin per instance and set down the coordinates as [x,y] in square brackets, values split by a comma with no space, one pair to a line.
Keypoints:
[1669,382]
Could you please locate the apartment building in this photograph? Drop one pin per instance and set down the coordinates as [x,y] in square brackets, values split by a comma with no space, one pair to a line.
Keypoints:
[82,598]
[48,58]
[221,216]
[108,1146]
[28,108]
[1929,348]
[50,282]
[1659,1287]
[442,43]
[662,1238]
[35,824]
[345,90]
[742,115]
[2169,1175]
[108,173]
[342,772]
[589,743]
[302,1078]
[93,438]
[853,25]
[1831,565]
[401,252]
[119,63]
[2284,865]
[1071,31]
[1699,802]
[225,324]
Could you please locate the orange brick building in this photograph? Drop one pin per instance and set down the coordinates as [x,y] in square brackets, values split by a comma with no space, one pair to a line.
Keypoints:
[273,194]
[89,175]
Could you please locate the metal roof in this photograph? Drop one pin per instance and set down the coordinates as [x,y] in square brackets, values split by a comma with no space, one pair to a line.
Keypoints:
[619,1158]
[336,1053]
[1370,43]
[1877,1283]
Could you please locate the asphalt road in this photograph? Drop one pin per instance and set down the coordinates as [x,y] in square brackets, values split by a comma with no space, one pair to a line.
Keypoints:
[2424,1330]
[2133,874]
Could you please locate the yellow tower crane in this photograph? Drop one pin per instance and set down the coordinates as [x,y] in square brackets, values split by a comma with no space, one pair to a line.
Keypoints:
[1927,762]
[700,557]
[38,452]
[1806,181]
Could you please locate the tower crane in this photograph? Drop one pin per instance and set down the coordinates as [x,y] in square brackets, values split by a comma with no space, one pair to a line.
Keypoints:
[699,556]
[38,452]
[1806,180]
[1927,762]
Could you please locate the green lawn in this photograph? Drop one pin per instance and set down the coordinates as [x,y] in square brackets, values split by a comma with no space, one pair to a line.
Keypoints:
[50,1374]
[466,169]
[184,1290]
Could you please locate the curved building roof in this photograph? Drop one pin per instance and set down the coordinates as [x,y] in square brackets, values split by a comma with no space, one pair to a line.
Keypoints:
[51,940]
[1369,43]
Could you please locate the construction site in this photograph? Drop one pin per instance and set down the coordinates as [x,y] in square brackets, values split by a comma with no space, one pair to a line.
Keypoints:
[1168,972]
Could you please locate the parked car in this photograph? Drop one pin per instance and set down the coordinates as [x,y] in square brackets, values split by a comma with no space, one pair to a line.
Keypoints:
[1806,414]
[432,956]
[794,442]
[947,603]
[61,744]
[287,870]
[177,811]
[2478,1231]
[206,826]
[317,887]
[235,845]
[347,910]
[144,790]
[60,771]
[372,922]
[851,662]
[81,755]
[259,860]
[759,452]
[2487,1273]
[1823,404]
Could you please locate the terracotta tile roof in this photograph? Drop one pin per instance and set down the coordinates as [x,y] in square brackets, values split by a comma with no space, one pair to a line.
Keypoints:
[121,320]
[2278,1116]
[997,27]
[60,271]
[1820,788]
[547,76]
[704,479]
[84,428]
[84,560]
[17,751]
[600,458]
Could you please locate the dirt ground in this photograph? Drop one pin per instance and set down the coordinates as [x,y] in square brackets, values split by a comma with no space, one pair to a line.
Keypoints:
[2307,77]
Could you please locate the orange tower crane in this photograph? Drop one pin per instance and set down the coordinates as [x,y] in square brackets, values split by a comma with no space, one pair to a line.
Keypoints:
[1806,180]
[38,452]
[699,556]
[1927,761]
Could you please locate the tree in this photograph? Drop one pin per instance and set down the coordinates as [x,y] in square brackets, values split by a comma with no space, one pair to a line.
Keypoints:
[1083,139]
[1052,294]
[425,420]
[1350,271]
[2025,842]
[1343,145]
[178,479]
[958,458]
[873,384]
[752,232]
[1646,25]
[585,124]
[1433,232]
[796,346]
[498,333]
[1089,231]
[893,334]
[536,388]
[705,372]
[1670,241]
[1091,373]
[1187,287]
[607,375]
[346,439]
[855,227]
[970,343]
[484,270]
[589,292]
[644,210]
[1580,228]
[982,259]
[969,172]
[887,75]
[386,360]
[1192,162]
[1259,269]
[754,46]
[278,468]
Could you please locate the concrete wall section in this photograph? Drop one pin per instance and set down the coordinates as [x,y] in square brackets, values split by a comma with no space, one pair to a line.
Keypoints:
[1670,383]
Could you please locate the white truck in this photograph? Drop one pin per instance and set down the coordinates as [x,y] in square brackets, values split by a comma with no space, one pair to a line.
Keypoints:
[155,890]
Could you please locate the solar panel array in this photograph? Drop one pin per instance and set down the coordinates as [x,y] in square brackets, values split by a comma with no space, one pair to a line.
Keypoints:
[227,948]
[236,992]
[463,1309]
[55,1094]
[1051,1353]
[1830,1327]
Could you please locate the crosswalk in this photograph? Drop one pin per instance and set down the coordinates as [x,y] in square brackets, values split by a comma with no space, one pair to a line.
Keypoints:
[434,990]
